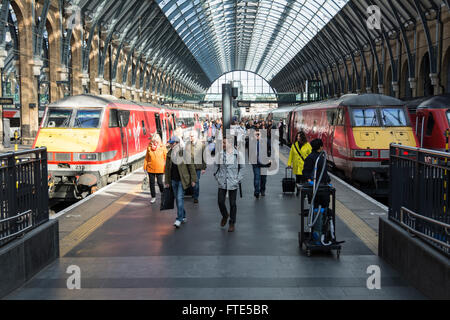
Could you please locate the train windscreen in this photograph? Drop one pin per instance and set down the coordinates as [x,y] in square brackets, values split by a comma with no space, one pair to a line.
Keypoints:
[448,116]
[87,118]
[365,117]
[394,117]
[58,118]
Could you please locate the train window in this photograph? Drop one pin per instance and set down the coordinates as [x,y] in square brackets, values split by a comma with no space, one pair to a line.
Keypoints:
[365,117]
[87,118]
[174,121]
[448,116]
[331,115]
[144,130]
[430,124]
[124,116]
[58,118]
[394,117]
[340,117]
[113,118]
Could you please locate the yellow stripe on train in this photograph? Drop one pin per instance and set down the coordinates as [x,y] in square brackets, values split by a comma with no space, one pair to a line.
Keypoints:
[380,138]
[68,140]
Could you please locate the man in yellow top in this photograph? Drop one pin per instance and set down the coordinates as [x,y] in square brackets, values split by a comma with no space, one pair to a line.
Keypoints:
[299,152]
[154,164]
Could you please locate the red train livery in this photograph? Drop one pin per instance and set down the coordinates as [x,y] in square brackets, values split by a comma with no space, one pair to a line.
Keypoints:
[356,131]
[430,117]
[93,140]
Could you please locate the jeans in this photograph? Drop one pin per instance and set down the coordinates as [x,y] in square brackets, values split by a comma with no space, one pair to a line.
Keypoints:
[259,180]
[197,185]
[223,208]
[159,180]
[178,192]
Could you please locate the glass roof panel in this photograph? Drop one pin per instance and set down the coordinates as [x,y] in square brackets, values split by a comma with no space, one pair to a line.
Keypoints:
[258,36]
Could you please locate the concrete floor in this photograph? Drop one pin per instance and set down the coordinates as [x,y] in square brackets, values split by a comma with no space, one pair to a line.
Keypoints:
[138,254]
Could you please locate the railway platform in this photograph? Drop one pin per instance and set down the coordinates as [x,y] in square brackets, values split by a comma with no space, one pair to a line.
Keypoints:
[126,248]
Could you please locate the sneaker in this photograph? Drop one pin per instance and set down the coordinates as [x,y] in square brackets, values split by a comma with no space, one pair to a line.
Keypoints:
[177,224]
[195,200]
[153,200]
[257,195]
[184,220]
[231,228]
[263,194]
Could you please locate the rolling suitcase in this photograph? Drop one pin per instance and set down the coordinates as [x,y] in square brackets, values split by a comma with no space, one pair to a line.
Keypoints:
[288,183]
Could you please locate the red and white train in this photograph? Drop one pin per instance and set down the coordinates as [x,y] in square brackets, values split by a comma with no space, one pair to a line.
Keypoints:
[356,130]
[93,140]
[430,117]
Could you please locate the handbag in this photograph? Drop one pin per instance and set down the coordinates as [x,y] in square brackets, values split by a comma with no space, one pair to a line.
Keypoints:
[167,199]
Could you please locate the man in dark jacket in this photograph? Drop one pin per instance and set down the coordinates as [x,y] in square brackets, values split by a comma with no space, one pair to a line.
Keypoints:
[310,161]
[322,198]
[180,175]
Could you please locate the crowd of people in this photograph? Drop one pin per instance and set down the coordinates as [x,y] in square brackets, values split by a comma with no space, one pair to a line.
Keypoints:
[168,166]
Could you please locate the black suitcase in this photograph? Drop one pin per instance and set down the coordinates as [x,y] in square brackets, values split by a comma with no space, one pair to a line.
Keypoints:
[288,183]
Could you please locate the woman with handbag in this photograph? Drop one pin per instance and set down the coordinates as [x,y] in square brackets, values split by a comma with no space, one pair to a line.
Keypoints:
[154,164]
[300,150]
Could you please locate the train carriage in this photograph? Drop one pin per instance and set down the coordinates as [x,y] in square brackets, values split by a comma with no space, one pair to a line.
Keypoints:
[94,140]
[356,130]
[430,117]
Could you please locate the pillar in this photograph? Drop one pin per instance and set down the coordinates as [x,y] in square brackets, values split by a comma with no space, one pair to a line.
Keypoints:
[29,66]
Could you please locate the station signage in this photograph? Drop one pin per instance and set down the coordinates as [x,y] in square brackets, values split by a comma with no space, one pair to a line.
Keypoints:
[243,104]
[6,101]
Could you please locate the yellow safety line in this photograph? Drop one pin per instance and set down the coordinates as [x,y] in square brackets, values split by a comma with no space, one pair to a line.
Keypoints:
[360,228]
[86,229]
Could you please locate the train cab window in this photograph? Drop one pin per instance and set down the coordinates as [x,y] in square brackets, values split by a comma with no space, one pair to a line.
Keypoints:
[124,116]
[394,117]
[58,118]
[430,124]
[448,116]
[113,118]
[87,118]
[365,117]
[340,117]
[331,115]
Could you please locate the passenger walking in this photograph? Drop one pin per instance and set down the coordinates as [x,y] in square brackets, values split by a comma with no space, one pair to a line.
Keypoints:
[154,164]
[180,175]
[197,154]
[259,178]
[228,174]
[299,151]
[281,132]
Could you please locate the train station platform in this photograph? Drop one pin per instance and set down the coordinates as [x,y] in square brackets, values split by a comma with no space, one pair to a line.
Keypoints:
[126,248]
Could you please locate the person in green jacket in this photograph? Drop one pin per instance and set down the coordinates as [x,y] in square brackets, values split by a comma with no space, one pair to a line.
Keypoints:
[299,151]
[180,175]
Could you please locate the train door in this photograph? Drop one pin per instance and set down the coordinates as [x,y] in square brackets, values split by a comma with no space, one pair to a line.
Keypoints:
[420,127]
[124,118]
[158,126]
[331,119]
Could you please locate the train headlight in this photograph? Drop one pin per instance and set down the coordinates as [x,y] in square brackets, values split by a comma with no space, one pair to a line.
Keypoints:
[88,156]
[363,153]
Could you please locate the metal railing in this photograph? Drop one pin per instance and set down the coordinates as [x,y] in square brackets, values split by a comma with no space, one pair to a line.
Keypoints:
[23,192]
[419,198]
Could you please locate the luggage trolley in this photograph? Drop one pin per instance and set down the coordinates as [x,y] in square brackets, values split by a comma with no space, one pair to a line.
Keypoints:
[305,237]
